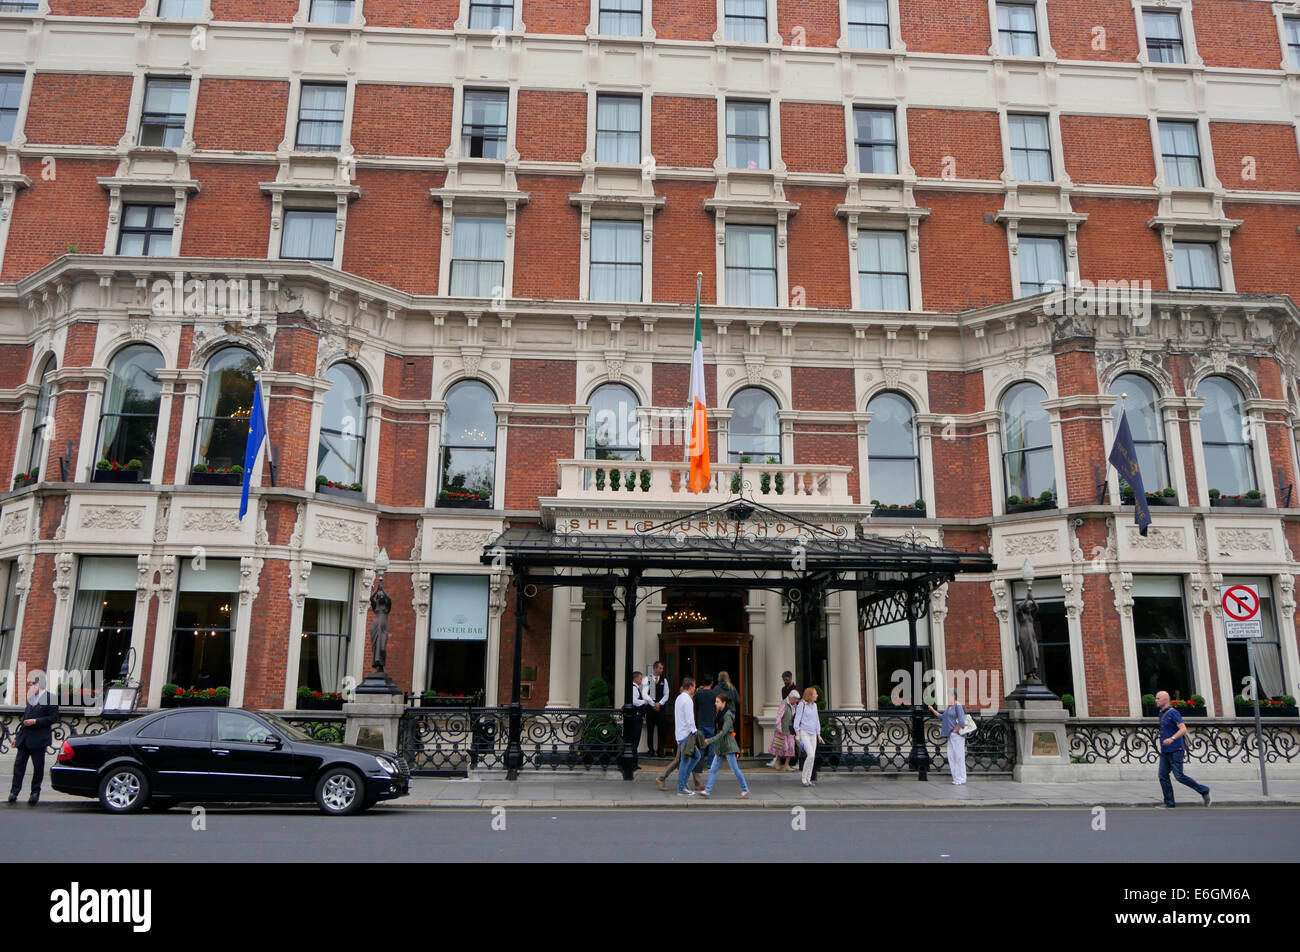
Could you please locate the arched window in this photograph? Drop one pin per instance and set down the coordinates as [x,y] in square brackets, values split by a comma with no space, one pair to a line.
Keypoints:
[226,407]
[342,453]
[1146,427]
[613,426]
[128,423]
[41,419]
[469,439]
[1027,463]
[1225,438]
[894,464]
[755,430]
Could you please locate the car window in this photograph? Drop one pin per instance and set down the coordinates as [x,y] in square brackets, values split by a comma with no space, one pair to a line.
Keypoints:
[154,728]
[233,726]
[188,725]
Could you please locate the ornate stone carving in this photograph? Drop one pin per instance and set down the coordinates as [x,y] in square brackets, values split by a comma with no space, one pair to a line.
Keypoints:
[1286,597]
[62,575]
[1122,584]
[420,590]
[461,540]
[939,604]
[166,579]
[1245,540]
[143,576]
[161,515]
[343,531]
[1156,538]
[1072,585]
[112,518]
[1202,547]
[299,573]
[61,531]
[260,536]
[209,520]
[1001,600]
[15,523]
[299,526]
[250,570]
[1031,543]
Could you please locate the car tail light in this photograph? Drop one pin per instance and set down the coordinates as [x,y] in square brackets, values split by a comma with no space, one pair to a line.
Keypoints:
[66,752]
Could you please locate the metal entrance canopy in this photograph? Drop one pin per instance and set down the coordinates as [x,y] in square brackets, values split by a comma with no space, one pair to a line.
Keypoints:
[741,544]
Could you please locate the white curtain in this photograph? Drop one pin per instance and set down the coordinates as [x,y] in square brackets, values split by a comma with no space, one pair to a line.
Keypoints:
[308,235]
[112,407]
[1268,668]
[1196,265]
[618,124]
[882,270]
[87,611]
[1031,158]
[478,253]
[751,265]
[616,261]
[331,648]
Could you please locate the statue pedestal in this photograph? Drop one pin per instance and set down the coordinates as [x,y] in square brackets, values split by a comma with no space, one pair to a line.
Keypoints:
[1042,748]
[374,716]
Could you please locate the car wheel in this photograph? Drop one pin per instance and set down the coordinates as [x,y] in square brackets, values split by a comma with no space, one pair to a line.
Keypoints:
[340,792]
[159,804]
[124,789]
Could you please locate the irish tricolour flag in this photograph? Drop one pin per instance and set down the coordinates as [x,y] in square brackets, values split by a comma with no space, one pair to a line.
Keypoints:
[698,450]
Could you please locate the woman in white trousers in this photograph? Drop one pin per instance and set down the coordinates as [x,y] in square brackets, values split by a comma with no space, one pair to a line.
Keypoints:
[951,722]
[807,728]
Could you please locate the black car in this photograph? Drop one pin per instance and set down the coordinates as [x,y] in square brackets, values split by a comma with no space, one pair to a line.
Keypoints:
[225,755]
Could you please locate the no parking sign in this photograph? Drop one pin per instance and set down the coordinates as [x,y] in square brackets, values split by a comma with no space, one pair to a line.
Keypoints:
[1241,612]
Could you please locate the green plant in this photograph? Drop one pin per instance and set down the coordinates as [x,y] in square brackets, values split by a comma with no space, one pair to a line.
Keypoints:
[746,459]
[199,468]
[72,248]
[223,693]
[1014,500]
[169,689]
[1168,492]
[322,480]
[735,483]
[600,479]
[615,477]
[305,692]
[1288,700]
[135,465]
[884,701]
[103,464]
[645,480]
[1198,700]
[779,482]
[1253,494]
[1148,700]
[1067,700]
[237,470]
[919,504]
[772,461]
[598,693]
[1215,494]
[483,494]
[1046,496]
[1079,760]
[765,483]
[1240,700]
[875,502]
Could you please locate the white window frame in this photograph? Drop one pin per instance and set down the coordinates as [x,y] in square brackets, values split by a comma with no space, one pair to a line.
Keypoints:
[296,208]
[476,208]
[622,211]
[906,220]
[720,36]
[512,119]
[1282,12]
[1211,244]
[647,30]
[462,20]
[295,105]
[857,260]
[187,128]
[308,199]
[1045,50]
[1204,145]
[156,13]
[303,17]
[1184,10]
[593,104]
[1041,236]
[900,129]
[896,44]
[773,132]
[1043,225]
[1052,119]
[736,217]
[1216,233]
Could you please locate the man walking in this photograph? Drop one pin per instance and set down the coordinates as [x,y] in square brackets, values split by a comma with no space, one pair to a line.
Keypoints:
[33,737]
[656,719]
[705,718]
[684,732]
[1172,748]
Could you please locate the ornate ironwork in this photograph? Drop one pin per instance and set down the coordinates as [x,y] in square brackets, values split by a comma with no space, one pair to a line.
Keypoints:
[456,740]
[331,729]
[1208,742]
[69,725]
[882,740]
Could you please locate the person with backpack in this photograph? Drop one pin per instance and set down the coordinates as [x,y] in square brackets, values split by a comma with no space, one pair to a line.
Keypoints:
[1172,748]
[724,746]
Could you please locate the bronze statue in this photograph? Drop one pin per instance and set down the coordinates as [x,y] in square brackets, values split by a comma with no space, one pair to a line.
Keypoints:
[381,605]
[1027,638]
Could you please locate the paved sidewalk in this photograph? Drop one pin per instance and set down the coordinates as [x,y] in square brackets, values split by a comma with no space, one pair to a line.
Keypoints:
[782,790]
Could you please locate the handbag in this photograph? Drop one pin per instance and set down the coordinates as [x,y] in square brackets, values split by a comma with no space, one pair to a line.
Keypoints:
[968,727]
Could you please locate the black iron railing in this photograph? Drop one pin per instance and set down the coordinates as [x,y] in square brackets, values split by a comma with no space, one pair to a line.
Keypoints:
[882,740]
[1209,741]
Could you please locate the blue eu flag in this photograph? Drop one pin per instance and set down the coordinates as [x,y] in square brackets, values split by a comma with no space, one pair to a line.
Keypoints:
[1123,456]
[256,434]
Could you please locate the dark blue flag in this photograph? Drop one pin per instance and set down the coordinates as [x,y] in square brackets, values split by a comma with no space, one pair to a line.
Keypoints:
[256,434]
[1123,456]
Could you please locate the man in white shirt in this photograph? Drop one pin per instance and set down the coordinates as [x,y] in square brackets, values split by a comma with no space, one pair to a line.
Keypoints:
[656,718]
[639,707]
[683,728]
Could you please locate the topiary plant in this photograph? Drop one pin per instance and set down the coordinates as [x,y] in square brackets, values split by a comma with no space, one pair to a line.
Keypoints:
[1148,700]
[1214,494]
[598,693]
[134,464]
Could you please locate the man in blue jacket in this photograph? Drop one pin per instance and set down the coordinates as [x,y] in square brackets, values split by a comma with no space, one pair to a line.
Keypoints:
[34,734]
[1172,748]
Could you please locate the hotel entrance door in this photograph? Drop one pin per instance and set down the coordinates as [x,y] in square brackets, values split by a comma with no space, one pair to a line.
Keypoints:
[695,654]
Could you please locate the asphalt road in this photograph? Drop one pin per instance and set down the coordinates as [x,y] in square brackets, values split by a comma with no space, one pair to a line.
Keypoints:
[79,832]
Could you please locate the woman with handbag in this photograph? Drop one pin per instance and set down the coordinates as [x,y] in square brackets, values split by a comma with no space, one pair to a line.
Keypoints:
[954,723]
[807,728]
[724,746]
[782,746]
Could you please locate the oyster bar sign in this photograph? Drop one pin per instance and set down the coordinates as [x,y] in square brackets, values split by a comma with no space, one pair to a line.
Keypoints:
[713,528]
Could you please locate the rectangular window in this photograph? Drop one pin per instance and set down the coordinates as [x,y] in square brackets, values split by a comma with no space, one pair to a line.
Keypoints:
[868,22]
[308,234]
[620,17]
[1031,148]
[19,6]
[102,614]
[489,14]
[181,9]
[876,139]
[616,261]
[1180,147]
[478,256]
[746,21]
[11,96]
[1017,29]
[1164,35]
[146,230]
[483,128]
[1042,265]
[162,121]
[326,622]
[1196,266]
[894,661]
[458,626]
[1164,653]
[207,614]
[320,117]
[331,11]
[1268,649]
[882,271]
[8,622]
[618,129]
[747,136]
[751,265]
[1057,671]
[1293,39]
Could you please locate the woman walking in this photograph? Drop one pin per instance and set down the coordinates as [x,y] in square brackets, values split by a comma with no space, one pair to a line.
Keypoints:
[782,747]
[723,745]
[951,724]
[807,728]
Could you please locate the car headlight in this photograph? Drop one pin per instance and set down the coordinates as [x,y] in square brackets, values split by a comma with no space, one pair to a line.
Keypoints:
[387,765]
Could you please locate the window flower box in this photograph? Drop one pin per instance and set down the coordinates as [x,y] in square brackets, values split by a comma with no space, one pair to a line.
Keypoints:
[343,490]
[117,476]
[898,512]
[208,476]
[26,479]
[1193,708]
[430,699]
[455,499]
[1153,499]
[1283,707]
[173,696]
[318,701]
[1030,506]
[1236,502]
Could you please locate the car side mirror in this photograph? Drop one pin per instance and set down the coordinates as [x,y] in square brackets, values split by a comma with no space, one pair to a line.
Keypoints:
[273,740]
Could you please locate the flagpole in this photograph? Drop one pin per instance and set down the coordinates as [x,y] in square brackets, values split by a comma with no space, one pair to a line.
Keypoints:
[686,424]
